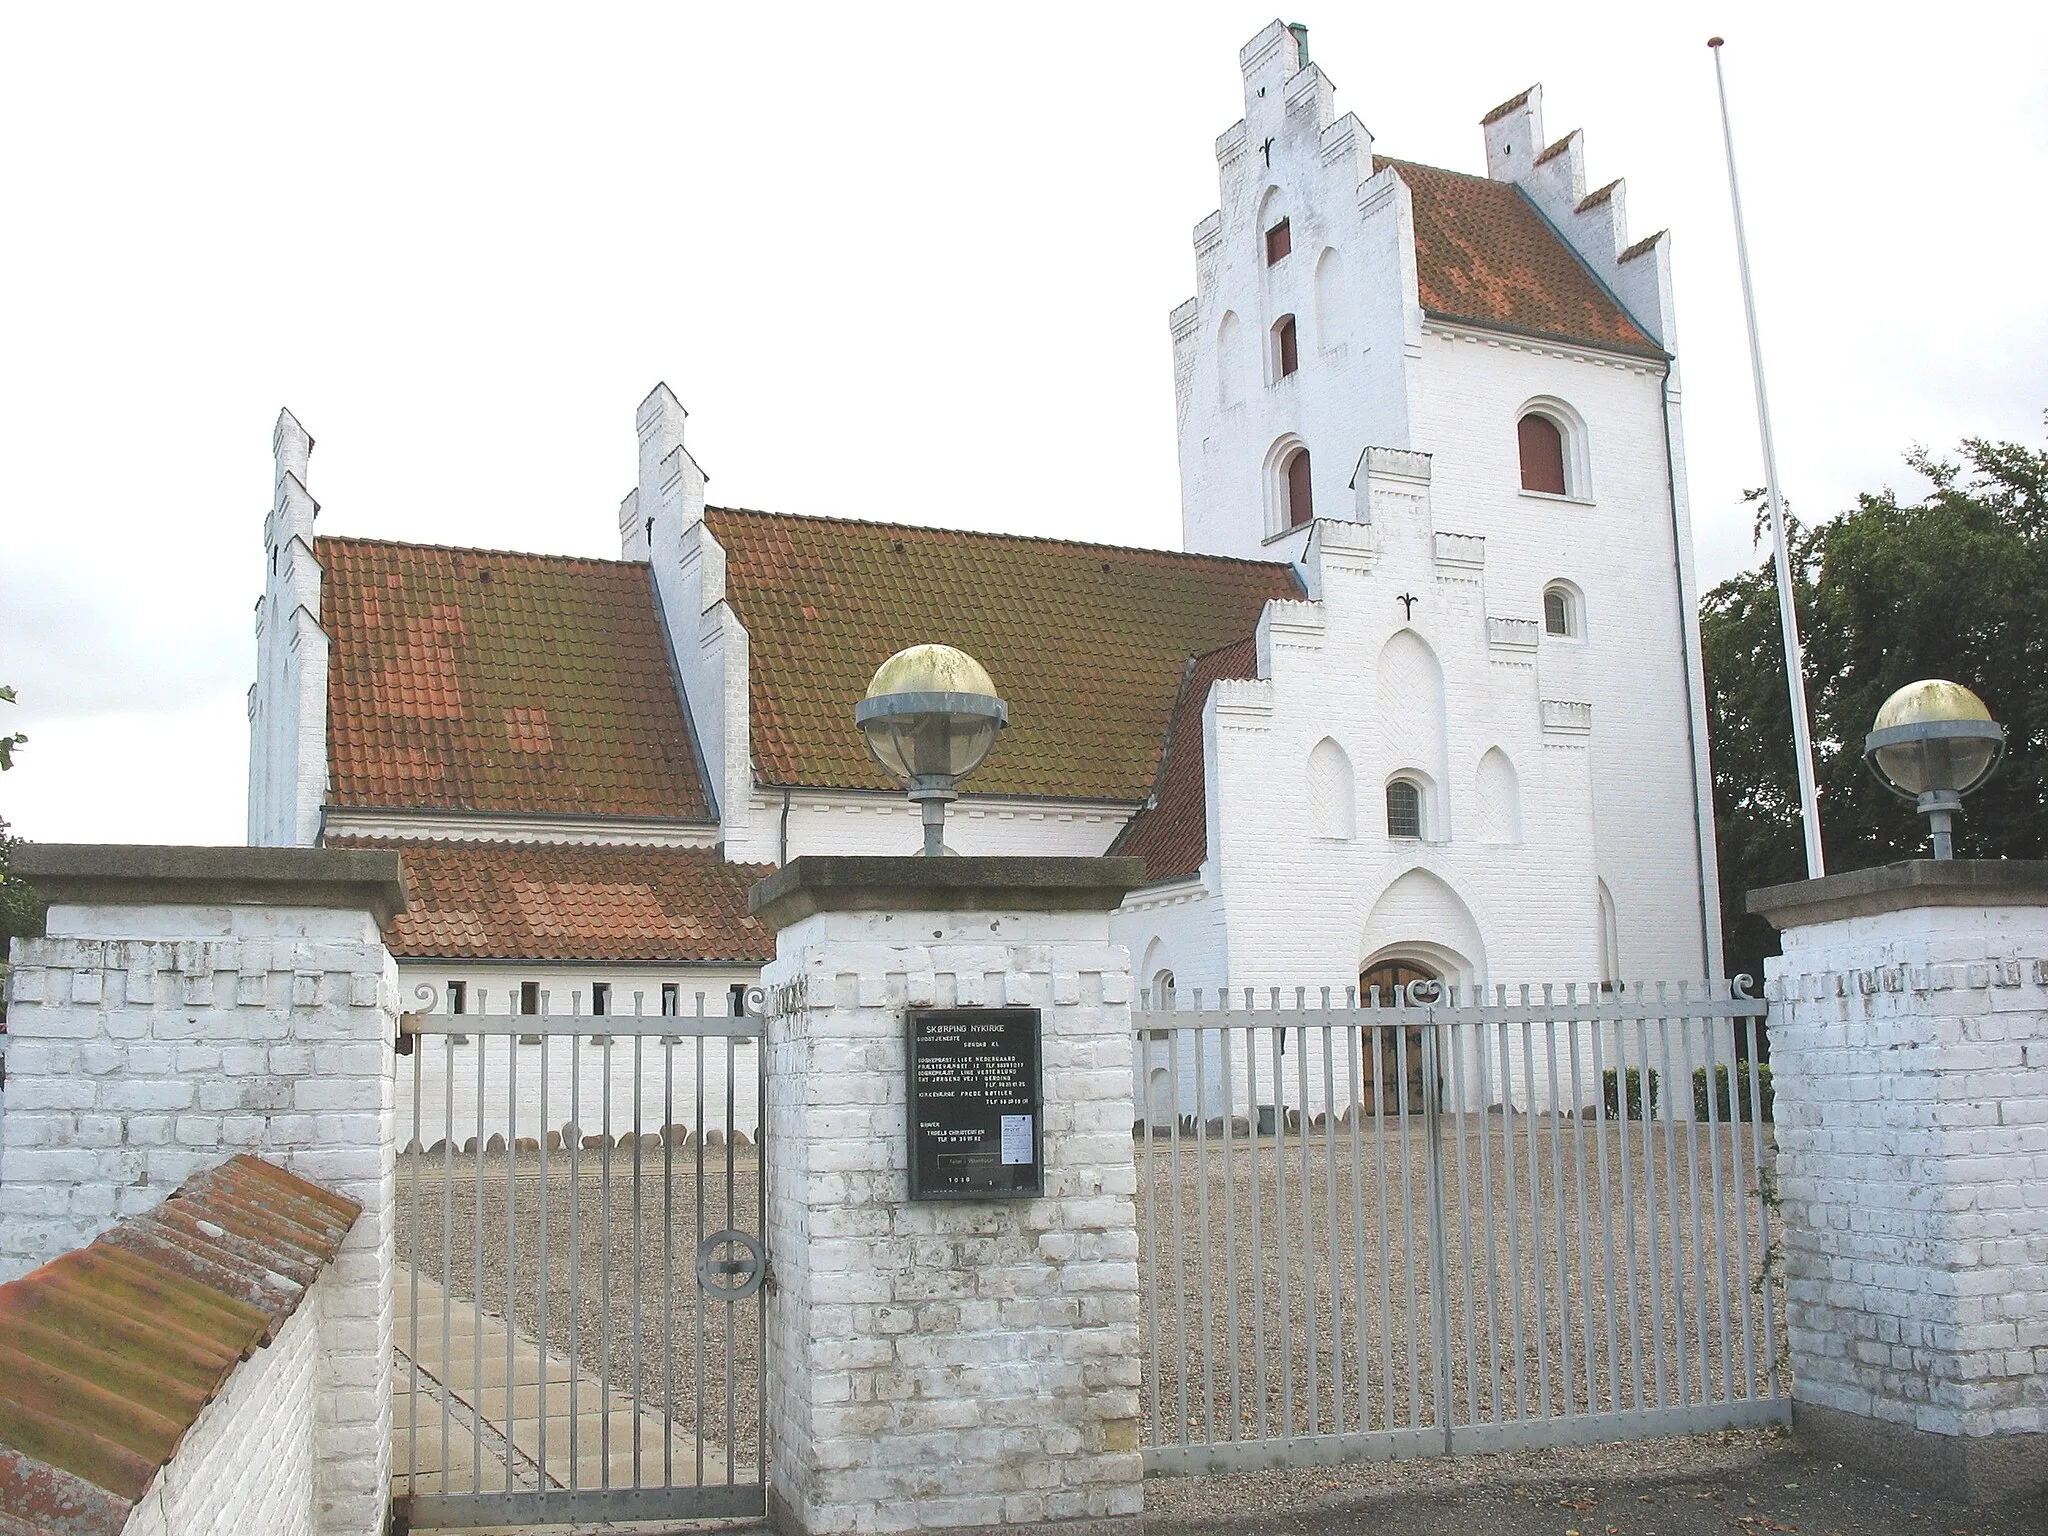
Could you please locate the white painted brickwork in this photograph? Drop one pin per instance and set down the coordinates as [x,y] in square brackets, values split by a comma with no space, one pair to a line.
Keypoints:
[246,1464]
[1910,1052]
[948,1364]
[147,1042]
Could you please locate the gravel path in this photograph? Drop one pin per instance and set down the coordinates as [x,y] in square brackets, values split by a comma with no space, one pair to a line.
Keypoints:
[686,1355]
[1704,1485]
[1263,1341]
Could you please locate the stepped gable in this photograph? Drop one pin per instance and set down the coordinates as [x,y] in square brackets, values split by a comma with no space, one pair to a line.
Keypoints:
[1086,642]
[1171,834]
[1484,253]
[573,901]
[109,1353]
[480,680]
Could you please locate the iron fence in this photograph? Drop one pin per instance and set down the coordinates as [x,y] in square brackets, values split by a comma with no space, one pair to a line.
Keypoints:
[1439,1223]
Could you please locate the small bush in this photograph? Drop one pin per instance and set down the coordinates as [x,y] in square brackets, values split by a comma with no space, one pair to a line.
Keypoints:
[1610,1090]
[1749,1098]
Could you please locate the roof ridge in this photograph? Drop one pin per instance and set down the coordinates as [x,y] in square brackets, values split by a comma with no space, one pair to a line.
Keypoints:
[471,549]
[983,533]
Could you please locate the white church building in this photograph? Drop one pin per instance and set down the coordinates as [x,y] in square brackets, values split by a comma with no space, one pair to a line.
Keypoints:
[1421,695]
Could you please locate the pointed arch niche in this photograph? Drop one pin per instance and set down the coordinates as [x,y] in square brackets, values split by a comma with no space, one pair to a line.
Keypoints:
[1329,317]
[1497,797]
[1421,919]
[1411,703]
[1332,792]
[1229,370]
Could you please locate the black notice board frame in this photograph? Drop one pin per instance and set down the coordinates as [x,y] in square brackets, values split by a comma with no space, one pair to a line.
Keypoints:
[1026,1182]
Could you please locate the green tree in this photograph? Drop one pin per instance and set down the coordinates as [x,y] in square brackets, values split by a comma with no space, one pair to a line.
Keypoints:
[1954,585]
[21,913]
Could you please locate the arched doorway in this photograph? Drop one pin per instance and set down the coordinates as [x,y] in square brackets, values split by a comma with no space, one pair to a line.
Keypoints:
[1398,1059]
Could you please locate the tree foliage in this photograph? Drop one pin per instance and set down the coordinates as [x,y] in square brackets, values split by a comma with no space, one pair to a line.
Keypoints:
[21,912]
[1955,586]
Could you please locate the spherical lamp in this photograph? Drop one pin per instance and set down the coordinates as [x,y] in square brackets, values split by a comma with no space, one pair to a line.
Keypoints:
[930,716]
[1934,743]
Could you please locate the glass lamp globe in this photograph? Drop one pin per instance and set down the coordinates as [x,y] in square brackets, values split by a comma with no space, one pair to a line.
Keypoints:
[1933,743]
[930,717]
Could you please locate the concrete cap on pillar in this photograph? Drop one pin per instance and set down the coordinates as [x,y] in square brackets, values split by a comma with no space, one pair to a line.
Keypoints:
[143,874]
[872,883]
[1910,883]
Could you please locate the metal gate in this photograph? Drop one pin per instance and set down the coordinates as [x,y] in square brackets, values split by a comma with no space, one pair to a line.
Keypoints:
[1446,1225]
[580,1333]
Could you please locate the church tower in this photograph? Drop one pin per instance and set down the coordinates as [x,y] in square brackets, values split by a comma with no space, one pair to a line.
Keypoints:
[1383,355]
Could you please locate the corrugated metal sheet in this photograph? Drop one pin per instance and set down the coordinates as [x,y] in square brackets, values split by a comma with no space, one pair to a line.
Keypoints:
[108,1354]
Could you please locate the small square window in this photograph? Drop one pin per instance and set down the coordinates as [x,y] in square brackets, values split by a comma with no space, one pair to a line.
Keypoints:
[458,997]
[671,999]
[1279,241]
[529,997]
[600,998]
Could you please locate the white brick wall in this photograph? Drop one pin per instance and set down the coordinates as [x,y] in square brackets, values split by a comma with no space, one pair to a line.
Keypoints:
[247,1462]
[147,1042]
[948,1363]
[1910,1054]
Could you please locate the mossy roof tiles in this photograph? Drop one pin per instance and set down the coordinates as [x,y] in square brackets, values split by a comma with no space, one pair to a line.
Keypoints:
[477,680]
[109,1353]
[1084,641]
[557,901]
[1484,253]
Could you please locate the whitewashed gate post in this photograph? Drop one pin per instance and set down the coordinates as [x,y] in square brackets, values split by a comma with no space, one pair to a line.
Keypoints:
[961,1362]
[1909,1048]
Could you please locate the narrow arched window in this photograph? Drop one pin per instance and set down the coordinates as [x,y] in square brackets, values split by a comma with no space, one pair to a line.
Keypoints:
[1286,351]
[1300,498]
[1557,613]
[1542,447]
[1404,809]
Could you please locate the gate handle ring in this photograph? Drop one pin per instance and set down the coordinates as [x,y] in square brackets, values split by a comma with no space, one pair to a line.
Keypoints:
[735,1278]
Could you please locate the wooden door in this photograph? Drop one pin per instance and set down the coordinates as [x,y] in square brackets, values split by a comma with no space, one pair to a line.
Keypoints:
[1394,1055]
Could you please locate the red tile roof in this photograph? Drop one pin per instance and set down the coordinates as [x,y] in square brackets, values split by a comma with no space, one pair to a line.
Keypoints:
[1084,641]
[1484,253]
[1172,833]
[109,1353]
[553,901]
[476,680]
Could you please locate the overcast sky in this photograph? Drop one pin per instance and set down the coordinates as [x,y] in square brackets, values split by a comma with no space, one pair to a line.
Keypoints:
[907,262]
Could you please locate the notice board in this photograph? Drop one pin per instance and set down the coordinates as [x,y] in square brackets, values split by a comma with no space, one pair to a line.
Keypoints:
[975,1131]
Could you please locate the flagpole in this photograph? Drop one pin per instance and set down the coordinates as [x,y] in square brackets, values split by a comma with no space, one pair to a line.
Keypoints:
[1788,617]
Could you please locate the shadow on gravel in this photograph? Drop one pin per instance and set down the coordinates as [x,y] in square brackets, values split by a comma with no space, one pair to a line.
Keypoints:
[1720,1484]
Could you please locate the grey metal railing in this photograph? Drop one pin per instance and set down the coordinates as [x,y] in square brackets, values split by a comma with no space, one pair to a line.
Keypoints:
[1439,1223]
[580,1333]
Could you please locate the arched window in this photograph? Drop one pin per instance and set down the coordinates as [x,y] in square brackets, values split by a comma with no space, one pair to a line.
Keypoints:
[1562,611]
[1542,447]
[1404,809]
[1300,496]
[1286,351]
[1279,241]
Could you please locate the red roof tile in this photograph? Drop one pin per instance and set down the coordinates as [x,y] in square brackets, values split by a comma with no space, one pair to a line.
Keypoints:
[476,680]
[1172,833]
[109,1353]
[1484,253]
[1085,641]
[554,901]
